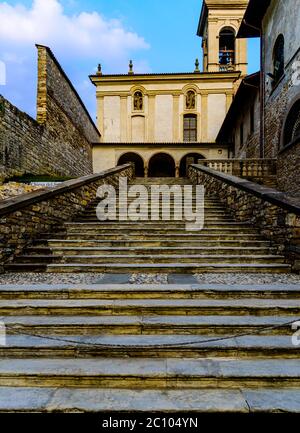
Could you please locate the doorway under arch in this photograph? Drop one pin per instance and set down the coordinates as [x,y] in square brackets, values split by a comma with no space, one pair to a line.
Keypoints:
[190,158]
[161,165]
[136,159]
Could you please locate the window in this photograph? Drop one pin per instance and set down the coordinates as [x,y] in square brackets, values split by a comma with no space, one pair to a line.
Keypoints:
[292,125]
[190,100]
[278,60]
[138,101]
[252,119]
[190,128]
[227,49]
[241,134]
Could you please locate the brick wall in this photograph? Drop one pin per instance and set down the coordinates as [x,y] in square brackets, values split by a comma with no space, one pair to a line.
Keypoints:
[59,142]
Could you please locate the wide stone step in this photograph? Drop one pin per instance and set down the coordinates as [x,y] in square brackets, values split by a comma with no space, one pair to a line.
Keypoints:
[151,325]
[145,218]
[151,225]
[103,258]
[236,307]
[61,251]
[149,373]
[178,268]
[148,236]
[157,243]
[149,291]
[242,400]
[159,230]
[146,346]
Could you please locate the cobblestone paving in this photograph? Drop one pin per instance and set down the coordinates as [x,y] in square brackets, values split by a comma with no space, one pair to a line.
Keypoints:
[149,279]
[248,278]
[95,278]
[47,278]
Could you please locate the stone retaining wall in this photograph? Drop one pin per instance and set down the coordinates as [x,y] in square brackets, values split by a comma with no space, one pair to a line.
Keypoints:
[24,218]
[275,214]
[59,142]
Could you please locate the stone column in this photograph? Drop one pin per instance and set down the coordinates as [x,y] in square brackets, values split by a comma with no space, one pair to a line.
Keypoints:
[146,171]
[177,171]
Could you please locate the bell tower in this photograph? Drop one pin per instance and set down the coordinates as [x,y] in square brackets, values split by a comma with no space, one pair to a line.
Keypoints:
[218,26]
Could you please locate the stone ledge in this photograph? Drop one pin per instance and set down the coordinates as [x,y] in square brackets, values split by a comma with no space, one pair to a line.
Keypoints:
[20,202]
[270,195]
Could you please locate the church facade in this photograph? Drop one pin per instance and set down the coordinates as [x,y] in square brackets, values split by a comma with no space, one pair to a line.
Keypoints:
[163,122]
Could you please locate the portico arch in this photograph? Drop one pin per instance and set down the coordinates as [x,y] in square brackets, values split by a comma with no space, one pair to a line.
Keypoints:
[190,158]
[136,159]
[161,165]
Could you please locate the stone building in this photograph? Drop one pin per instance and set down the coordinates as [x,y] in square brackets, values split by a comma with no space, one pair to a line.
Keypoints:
[162,122]
[278,24]
[241,126]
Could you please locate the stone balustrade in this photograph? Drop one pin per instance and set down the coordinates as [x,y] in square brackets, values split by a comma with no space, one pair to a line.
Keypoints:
[276,214]
[26,217]
[248,168]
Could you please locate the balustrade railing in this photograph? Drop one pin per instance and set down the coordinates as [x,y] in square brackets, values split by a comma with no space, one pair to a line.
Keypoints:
[247,168]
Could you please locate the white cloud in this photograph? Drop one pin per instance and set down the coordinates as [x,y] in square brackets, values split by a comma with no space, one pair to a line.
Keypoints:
[86,34]
[79,41]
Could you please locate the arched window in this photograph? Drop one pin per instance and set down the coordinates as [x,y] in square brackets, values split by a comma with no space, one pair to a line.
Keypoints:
[191,100]
[227,48]
[190,132]
[278,59]
[292,125]
[138,101]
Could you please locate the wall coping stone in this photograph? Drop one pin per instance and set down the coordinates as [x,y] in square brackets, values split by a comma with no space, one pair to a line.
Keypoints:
[270,195]
[20,202]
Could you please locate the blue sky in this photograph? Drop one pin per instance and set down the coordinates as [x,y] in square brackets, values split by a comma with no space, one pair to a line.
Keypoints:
[160,36]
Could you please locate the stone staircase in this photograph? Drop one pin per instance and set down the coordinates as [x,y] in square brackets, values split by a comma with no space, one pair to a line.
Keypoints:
[86,245]
[150,347]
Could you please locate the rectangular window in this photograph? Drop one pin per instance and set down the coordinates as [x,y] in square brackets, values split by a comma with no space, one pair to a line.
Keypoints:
[241,134]
[190,128]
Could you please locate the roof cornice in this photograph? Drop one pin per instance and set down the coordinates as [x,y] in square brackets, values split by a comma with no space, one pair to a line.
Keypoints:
[142,78]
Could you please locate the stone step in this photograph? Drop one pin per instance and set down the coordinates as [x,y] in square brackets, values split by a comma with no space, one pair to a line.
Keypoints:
[146,250]
[170,373]
[65,346]
[198,237]
[206,400]
[70,307]
[159,230]
[157,243]
[179,268]
[154,258]
[151,225]
[151,325]
[92,219]
[149,291]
